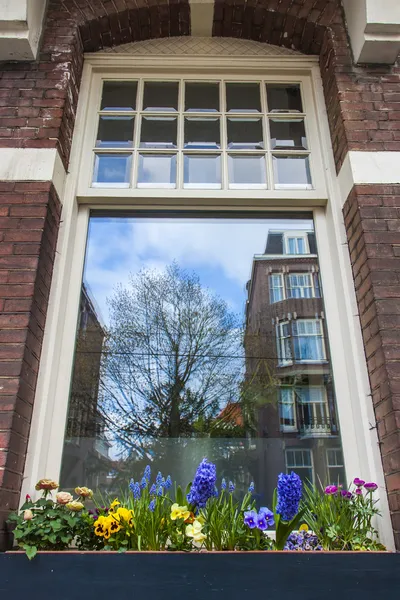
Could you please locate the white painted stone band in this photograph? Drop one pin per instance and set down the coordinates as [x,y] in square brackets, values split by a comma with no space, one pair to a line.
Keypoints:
[362,168]
[33,164]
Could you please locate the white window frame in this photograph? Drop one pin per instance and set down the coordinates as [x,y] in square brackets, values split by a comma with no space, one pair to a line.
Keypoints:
[288,235]
[302,450]
[283,427]
[329,466]
[355,410]
[289,287]
[283,360]
[272,287]
[321,336]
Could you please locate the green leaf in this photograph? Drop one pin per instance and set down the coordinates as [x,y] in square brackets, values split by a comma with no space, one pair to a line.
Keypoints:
[30,551]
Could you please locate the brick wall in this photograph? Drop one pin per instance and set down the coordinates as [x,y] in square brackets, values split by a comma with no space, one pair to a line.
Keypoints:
[29,221]
[372,219]
[37,110]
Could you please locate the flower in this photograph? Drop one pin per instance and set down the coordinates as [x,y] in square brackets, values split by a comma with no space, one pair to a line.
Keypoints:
[114,526]
[135,489]
[223,484]
[64,497]
[346,494]
[143,483]
[100,526]
[75,506]
[28,498]
[371,487]
[289,495]
[302,540]
[330,490]
[358,491]
[160,490]
[152,506]
[251,487]
[115,503]
[168,483]
[84,492]
[359,482]
[153,490]
[262,522]
[195,531]
[46,484]
[268,515]
[231,487]
[28,515]
[303,527]
[203,486]
[147,473]
[179,512]
[250,518]
[159,479]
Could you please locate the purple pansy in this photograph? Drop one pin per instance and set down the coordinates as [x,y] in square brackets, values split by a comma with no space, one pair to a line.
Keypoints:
[250,518]
[268,515]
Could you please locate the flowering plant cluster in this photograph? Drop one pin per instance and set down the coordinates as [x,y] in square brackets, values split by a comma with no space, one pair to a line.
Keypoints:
[155,515]
[342,518]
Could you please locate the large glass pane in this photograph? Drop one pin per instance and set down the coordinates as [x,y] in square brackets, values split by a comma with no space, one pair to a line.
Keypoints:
[247,171]
[291,171]
[157,170]
[283,97]
[160,96]
[288,135]
[115,132]
[201,97]
[243,97]
[202,133]
[176,356]
[202,171]
[245,133]
[112,170]
[119,95]
[158,132]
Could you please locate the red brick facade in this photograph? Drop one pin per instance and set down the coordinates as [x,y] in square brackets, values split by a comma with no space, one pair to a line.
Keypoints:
[37,110]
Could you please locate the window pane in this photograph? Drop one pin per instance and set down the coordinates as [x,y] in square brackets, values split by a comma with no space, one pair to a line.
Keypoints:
[160,96]
[112,169]
[202,133]
[247,170]
[119,95]
[291,170]
[283,97]
[288,135]
[202,171]
[115,132]
[201,97]
[158,132]
[157,169]
[243,97]
[245,133]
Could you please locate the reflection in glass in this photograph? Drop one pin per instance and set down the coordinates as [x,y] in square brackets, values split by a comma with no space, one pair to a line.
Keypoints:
[291,171]
[202,133]
[283,97]
[112,169]
[158,132]
[160,96]
[247,170]
[202,171]
[243,97]
[115,132]
[201,97]
[157,169]
[177,356]
[119,95]
[288,135]
[245,133]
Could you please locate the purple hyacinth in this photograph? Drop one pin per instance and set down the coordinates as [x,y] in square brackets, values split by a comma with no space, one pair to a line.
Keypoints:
[203,486]
[371,487]
[289,491]
[250,518]
[330,490]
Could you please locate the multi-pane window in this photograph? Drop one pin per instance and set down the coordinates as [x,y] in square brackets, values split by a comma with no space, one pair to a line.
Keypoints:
[201,135]
[276,288]
[283,342]
[308,340]
[335,465]
[296,244]
[300,461]
[301,285]
[313,409]
[287,409]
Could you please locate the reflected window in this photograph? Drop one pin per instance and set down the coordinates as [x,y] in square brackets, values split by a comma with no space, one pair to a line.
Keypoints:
[308,340]
[284,345]
[300,285]
[300,461]
[287,409]
[276,288]
[296,244]
[334,459]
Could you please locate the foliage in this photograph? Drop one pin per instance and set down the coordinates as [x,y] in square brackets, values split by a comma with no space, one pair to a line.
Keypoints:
[342,519]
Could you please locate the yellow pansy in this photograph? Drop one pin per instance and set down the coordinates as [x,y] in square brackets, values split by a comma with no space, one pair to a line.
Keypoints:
[115,503]
[303,527]
[124,515]
[194,531]
[179,512]
[100,526]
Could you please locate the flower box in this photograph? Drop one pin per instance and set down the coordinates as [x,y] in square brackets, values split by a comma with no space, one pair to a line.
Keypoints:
[198,576]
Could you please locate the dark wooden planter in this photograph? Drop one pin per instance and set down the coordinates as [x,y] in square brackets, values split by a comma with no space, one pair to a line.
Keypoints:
[176,576]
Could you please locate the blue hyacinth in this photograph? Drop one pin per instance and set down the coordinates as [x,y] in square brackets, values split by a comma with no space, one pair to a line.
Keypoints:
[251,487]
[231,487]
[289,495]
[147,473]
[160,491]
[143,483]
[152,506]
[135,489]
[203,486]
[159,478]
[153,490]
[223,484]
[168,483]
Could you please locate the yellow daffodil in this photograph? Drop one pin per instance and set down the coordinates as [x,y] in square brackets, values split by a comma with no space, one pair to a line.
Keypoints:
[179,512]
[194,531]
[115,503]
[303,527]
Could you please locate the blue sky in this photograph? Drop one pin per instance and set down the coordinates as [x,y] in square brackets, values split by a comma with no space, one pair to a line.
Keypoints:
[219,251]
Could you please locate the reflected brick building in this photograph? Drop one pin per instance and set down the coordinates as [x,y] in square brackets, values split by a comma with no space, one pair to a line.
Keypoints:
[287,359]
